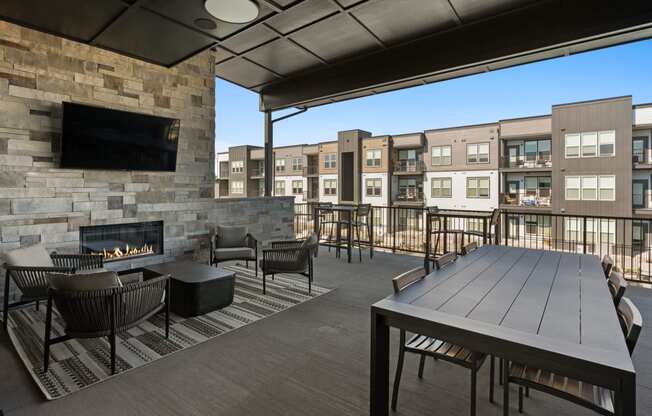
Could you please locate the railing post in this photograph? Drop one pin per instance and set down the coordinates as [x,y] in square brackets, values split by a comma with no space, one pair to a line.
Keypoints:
[584,234]
[393,228]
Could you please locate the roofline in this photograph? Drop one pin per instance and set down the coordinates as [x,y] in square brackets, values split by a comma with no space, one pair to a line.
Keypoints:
[406,134]
[502,120]
[466,126]
[642,105]
[597,100]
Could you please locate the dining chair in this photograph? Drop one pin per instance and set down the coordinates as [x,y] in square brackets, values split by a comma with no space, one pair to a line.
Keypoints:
[617,286]
[361,220]
[607,265]
[445,259]
[426,346]
[326,218]
[596,398]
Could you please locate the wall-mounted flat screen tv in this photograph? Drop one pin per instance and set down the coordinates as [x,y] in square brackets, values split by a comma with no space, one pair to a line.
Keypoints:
[100,138]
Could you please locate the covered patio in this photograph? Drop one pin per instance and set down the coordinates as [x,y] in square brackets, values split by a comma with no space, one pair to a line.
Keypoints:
[311,359]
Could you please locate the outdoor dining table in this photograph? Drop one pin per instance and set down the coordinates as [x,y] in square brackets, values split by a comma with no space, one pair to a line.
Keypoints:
[546,309]
[345,215]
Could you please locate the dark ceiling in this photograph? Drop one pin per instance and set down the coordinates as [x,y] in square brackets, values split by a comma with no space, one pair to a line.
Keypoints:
[312,52]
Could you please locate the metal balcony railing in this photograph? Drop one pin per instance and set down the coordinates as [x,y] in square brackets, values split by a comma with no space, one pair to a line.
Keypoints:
[409,166]
[310,170]
[522,200]
[258,172]
[524,162]
[410,196]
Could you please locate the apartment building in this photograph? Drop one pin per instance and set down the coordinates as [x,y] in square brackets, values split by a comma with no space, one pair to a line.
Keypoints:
[584,158]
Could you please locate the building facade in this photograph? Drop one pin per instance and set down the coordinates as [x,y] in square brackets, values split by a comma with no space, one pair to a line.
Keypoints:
[584,158]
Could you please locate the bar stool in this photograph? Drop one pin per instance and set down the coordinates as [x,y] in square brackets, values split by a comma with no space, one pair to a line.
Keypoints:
[361,220]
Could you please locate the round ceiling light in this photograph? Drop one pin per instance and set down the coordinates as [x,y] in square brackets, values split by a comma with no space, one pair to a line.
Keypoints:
[232,11]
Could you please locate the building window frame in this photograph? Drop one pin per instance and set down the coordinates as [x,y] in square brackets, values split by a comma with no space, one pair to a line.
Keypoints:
[475,153]
[373,158]
[279,188]
[572,183]
[607,138]
[330,160]
[329,187]
[237,166]
[441,155]
[475,192]
[237,187]
[297,187]
[438,188]
[279,165]
[373,187]
[297,164]
[607,183]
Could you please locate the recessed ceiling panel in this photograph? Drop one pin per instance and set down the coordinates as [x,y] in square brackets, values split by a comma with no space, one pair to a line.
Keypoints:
[77,19]
[477,9]
[301,15]
[336,37]
[394,21]
[140,33]
[283,57]
[348,3]
[186,12]
[221,55]
[250,38]
[244,73]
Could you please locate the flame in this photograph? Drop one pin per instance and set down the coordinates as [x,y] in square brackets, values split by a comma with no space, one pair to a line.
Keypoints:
[127,251]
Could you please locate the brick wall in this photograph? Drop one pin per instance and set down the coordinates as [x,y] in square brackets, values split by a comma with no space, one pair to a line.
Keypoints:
[39,202]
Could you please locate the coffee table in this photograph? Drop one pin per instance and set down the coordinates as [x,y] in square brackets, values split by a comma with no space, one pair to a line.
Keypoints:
[196,288]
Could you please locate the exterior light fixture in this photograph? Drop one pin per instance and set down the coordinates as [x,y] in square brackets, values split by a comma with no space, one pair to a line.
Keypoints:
[232,11]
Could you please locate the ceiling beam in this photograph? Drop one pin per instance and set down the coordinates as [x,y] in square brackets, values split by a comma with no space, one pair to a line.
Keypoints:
[526,32]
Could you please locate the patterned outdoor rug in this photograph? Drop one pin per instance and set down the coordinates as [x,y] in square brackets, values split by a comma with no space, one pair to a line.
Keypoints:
[80,363]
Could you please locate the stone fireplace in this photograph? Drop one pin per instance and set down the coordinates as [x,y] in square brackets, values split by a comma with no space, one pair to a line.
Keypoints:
[122,241]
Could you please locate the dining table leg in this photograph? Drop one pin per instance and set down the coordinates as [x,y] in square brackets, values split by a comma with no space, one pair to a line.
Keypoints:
[484,231]
[627,399]
[379,392]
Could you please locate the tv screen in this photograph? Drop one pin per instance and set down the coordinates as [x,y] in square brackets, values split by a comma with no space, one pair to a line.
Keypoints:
[100,138]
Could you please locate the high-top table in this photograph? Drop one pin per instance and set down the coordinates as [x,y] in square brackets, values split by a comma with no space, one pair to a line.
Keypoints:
[345,216]
[547,309]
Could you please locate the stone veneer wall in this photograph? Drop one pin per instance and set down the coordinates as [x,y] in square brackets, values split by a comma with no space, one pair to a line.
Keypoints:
[267,218]
[40,202]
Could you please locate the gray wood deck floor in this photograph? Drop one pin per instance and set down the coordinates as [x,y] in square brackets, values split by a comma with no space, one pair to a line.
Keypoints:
[310,360]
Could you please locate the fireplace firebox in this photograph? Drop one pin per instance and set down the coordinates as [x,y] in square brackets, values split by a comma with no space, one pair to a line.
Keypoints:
[122,241]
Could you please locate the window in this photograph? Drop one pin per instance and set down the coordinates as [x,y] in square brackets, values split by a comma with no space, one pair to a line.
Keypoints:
[531,151]
[572,145]
[441,155]
[237,187]
[531,185]
[373,186]
[297,187]
[330,161]
[280,165]
[639,193]
[572,188]
[639,147]
[607,186]
[639,231]
[589,144]
[330,186]
[279,188]
[589,188]
[441,188]
[408,154]
[607,143]
[477,153]
[373,157]
[531,224]
[410,189]
[297,164]
[544,150]
[237,166]
[477,187]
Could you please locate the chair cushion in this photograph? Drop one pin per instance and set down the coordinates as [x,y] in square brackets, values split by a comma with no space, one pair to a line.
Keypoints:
[31,256]
[84,282]
[231,236]
[234,253]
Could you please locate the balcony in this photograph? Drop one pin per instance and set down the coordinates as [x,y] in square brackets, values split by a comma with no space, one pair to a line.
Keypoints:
[311,195]
[409,197]
[524,201]
[223,174]
[409,167]
[311,170]
[524,162]
[258,173]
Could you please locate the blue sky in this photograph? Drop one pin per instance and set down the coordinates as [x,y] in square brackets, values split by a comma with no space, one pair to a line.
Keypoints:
[515,92]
